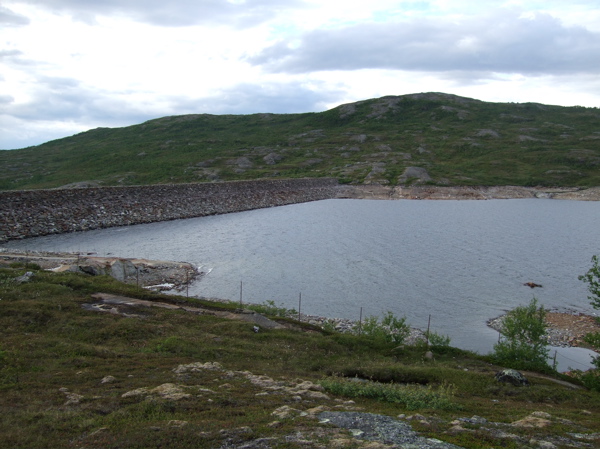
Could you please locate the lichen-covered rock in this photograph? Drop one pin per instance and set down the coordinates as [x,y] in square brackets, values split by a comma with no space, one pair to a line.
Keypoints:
[511,376]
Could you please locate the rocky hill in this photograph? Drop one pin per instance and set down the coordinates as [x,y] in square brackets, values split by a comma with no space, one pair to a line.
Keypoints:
[431,138]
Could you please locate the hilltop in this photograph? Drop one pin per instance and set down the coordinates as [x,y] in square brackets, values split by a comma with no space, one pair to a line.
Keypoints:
[431,138]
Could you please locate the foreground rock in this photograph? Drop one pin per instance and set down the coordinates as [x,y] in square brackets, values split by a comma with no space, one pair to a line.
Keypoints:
[320,420]
[156,274]
[384,429]
[512,377]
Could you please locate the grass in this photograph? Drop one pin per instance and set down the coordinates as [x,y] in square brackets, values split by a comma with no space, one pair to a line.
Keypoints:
[459,142]
[53,350]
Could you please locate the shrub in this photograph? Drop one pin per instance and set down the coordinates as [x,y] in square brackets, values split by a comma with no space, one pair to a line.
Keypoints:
[391,329]
[592,278]
[591,379]
[523,345]
[413,397]
[593,339]
[269,308]
[438,342]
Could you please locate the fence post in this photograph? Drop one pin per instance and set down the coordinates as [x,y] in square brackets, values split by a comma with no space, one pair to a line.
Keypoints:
[360,323]
[427,335]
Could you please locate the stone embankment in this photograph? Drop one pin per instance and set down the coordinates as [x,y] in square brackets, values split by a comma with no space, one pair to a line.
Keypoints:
[32,213]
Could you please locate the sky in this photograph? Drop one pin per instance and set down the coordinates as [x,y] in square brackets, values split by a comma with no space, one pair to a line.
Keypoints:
[67,66]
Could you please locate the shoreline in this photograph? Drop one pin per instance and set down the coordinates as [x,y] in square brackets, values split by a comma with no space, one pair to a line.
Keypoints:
[423,192]
[566,328]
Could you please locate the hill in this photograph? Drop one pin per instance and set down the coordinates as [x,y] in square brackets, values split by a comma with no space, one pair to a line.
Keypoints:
[130,368]
[430,138]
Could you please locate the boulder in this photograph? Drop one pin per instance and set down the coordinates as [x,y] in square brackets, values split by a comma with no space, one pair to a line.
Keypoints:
[511,376]
[24,278]
[419,173]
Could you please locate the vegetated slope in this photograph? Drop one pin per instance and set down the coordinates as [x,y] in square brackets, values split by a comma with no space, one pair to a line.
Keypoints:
[79,372]
[449,139]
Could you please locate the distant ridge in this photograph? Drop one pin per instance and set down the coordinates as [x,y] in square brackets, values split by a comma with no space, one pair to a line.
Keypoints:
[423,138]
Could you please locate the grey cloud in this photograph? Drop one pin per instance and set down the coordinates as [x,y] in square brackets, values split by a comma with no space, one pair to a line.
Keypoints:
[15,58]
[175,12]
[495,43]
[9,18]
[280,98]
[64,100]
[7,54]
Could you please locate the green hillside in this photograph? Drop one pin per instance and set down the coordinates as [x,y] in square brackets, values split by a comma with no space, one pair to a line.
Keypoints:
[457,141]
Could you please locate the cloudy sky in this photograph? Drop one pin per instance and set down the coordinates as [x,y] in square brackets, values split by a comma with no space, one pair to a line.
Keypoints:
[67,66]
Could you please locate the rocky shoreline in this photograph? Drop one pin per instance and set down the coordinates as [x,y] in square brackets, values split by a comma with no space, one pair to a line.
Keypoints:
[565,328]
[422,192]
[152,274]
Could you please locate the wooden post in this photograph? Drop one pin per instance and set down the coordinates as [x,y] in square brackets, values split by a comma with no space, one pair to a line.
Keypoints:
[241,286]
[427,335]
[299,306]
[360,323]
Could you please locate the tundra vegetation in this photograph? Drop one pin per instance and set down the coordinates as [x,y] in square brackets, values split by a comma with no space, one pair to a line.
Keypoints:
[592,277]
[429,138]
[156,377]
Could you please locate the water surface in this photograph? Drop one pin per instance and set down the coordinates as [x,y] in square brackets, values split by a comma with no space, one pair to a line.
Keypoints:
[462,262]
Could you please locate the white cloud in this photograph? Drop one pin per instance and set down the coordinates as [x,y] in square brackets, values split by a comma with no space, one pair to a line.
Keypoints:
[71,65]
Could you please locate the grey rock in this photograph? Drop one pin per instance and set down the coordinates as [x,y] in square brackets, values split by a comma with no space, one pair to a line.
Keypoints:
[382,428]
[24,278]
[414,172]
[272,158]
[511,376]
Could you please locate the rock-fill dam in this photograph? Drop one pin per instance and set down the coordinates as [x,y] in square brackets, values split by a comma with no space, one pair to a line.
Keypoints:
[32,213]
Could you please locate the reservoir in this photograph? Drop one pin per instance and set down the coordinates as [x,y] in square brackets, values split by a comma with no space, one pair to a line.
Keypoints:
[460,262]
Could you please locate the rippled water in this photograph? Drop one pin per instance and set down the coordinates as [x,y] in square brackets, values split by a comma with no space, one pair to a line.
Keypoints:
[462,262]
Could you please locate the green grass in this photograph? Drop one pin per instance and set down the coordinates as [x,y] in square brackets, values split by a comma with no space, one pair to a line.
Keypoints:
[51,348]
[529,144]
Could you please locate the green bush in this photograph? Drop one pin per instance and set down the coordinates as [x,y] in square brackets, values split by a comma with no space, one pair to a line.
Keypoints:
[439,342]
[269,308]
[391,329]
[592,278]
[523,345]
[413,397]
[591,379]
[593,339]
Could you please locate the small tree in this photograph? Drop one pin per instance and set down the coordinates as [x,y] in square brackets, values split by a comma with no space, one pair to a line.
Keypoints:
[591,378]
[592,277]
[523,345]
